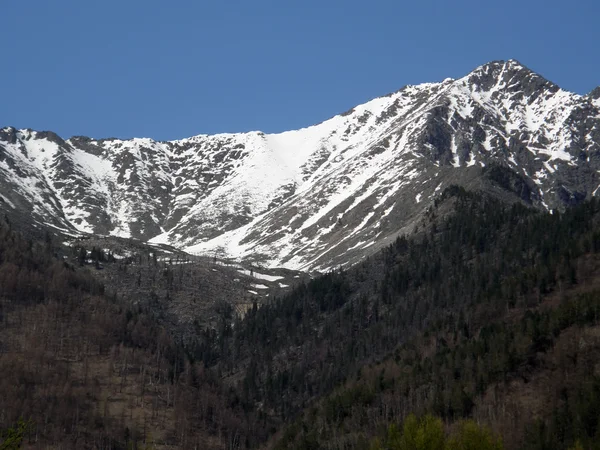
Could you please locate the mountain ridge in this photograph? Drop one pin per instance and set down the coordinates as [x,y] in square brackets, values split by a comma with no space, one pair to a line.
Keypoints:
[344,113]
[325,195]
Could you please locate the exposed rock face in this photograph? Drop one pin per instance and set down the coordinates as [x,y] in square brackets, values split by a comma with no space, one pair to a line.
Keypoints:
[325,195]
[595,94]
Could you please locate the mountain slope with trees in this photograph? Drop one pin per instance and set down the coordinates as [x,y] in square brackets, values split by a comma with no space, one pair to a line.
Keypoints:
[488,312]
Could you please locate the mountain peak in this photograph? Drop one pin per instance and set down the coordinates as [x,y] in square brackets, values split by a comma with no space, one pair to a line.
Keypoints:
[497,67]
[512,64]
[510,75]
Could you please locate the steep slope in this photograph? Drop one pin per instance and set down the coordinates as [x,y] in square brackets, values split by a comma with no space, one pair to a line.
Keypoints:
[489,305]
[326,195]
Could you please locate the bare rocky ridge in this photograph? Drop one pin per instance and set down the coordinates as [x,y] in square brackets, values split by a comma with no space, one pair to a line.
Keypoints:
[322,196]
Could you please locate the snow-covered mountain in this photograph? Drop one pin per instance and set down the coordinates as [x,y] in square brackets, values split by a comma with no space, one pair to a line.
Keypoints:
[325,195]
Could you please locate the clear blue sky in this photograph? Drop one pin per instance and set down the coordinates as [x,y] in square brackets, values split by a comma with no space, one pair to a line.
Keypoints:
[172,69]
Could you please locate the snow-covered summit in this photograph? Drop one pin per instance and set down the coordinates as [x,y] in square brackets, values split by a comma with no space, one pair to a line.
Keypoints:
[323,195]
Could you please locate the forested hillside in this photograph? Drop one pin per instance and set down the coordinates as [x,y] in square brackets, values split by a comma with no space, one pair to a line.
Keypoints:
[488,312]
[86,368]
[496,310]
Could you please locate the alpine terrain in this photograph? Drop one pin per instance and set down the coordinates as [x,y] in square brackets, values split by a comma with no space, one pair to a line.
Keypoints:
[326,195]
[166,295]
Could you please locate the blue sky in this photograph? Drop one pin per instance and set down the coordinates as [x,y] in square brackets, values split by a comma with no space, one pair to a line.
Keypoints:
[169,70]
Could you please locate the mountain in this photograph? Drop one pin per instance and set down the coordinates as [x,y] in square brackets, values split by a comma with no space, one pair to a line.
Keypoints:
[322,196]
[491,316]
